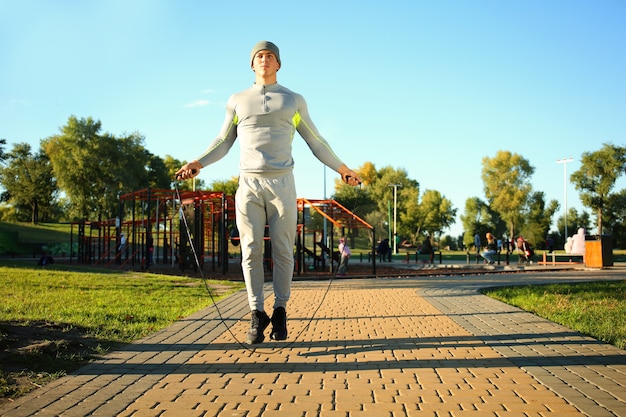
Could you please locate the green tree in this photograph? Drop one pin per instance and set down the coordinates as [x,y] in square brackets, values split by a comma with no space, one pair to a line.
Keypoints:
[381,187]
[436,213]
[615,217]
[597,176]
[29,183]
[407,198]
[575,221]
[172,165]
[227,187]
[374,198]
[538,218]
[3,143]
[506,179]
[448,242]
[358,200]
[368,173]
[410,218]
[355,199]
[93,168]
[156,174]
[380,222]
[477,218]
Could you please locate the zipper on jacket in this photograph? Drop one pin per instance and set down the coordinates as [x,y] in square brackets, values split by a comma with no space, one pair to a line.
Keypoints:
[265,106]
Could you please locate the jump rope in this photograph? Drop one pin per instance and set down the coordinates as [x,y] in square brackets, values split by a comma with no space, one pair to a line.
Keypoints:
[217,309]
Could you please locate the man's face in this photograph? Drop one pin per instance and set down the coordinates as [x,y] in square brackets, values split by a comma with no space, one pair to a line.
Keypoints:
[265,63]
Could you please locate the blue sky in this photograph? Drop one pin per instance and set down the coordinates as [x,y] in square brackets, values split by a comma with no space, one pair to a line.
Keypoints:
[428,86]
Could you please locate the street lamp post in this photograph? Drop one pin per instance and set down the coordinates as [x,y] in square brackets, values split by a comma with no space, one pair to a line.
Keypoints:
[389,220]
[325,234]
[564,161]
[395,209]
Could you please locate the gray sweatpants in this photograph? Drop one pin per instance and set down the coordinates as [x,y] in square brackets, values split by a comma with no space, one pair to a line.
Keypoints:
[271,200]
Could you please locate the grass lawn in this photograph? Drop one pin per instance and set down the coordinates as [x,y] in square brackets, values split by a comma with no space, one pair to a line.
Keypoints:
[597,309]
[52,320]
[25,239]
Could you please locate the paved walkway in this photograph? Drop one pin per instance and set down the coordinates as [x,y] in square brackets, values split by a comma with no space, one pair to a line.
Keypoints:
[428,346]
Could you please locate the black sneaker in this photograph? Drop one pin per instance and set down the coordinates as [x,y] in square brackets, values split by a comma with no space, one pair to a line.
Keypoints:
[279,324]
[258,324]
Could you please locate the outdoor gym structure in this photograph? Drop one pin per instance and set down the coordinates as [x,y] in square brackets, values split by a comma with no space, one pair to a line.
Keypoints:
[156,234]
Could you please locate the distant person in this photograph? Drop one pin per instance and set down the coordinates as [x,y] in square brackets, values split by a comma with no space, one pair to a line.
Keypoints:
[578,242]
[150,254]
[427,247]
[477,245]
[520,243]
[344,255]
[265,118]
[384,250]
[491,249]
[122,247]
[45,260]
[525,250]
[166,250]
[506,245]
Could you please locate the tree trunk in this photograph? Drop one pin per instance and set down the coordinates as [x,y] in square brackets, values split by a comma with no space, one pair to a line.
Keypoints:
[34,212]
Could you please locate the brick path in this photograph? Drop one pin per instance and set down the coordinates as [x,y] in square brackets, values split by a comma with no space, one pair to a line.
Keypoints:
[427,346]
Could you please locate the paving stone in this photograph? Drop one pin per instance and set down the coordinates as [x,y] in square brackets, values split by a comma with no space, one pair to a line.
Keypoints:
[427,346]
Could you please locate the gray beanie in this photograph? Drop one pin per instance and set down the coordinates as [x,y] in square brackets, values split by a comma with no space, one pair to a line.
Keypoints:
[262,46]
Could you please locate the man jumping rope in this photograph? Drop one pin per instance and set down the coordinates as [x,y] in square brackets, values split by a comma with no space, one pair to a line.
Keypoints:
[264,118]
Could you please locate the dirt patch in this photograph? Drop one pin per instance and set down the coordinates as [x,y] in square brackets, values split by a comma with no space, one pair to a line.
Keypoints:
[35,353]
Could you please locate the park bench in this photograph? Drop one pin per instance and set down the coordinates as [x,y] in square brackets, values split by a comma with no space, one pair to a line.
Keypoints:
[555,256]
[427,257]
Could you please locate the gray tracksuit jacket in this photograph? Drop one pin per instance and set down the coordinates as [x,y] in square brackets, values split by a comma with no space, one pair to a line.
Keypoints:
[265,118]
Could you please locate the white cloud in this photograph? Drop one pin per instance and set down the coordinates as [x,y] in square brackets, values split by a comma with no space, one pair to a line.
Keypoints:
[18,102]
[197,103]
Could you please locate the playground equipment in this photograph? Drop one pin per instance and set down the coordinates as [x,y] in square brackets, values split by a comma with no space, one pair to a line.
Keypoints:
[208,214]
[338,217]
[155,233]
[150,220]
[94,241]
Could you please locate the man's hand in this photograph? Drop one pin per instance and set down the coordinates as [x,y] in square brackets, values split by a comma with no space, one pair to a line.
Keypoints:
[349,176]
[189,170]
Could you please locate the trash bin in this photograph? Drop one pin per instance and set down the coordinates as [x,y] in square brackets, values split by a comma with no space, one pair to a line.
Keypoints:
[598,251]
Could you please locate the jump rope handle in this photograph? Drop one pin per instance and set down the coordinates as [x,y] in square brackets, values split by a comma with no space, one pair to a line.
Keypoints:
[348,179]
[193,171]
